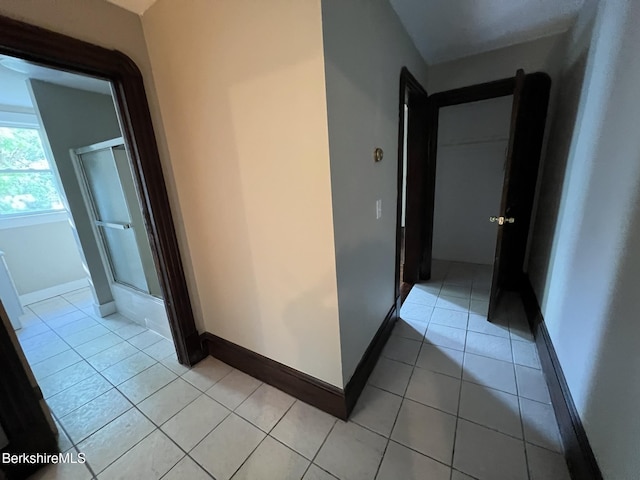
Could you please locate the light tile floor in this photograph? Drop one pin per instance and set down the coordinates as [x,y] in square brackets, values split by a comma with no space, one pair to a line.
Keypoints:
[452,397]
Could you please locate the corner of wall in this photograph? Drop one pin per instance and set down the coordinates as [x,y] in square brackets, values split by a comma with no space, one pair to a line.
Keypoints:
[251,172]
[365,48]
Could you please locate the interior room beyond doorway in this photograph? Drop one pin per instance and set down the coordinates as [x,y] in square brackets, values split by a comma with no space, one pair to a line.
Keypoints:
[472,147]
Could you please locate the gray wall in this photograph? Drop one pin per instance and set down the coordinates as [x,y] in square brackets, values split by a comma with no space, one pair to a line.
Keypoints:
[365,47]
[585,257]
[70,119]
[472,141]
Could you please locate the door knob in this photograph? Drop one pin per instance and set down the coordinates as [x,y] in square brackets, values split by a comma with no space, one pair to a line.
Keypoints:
[502,220]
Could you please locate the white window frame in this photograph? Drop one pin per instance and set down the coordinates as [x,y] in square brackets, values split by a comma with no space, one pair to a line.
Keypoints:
[25,119]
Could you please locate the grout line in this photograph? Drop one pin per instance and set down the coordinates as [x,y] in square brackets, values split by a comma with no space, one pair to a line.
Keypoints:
[419,452]
[524,441]
[492,429]
[155,427]
[133,405]
[513,366]
[196,462]
[210,431]
[247,397]
[395,420]
[203,438]
[73,445]
[413,367]
[455,431]
[463,473]
[320,448]
[295,400]
[252,451]
[129,449]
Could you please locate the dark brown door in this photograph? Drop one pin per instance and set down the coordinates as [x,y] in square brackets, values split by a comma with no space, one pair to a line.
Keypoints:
[22,417]
[528,116]
[429,179]
[409,241]
[417,144]
[502,219]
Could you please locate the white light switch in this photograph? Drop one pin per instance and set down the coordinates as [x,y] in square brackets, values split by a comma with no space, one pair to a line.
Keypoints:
[378,209]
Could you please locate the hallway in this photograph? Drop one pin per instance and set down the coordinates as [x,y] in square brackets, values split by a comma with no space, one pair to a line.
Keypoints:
[450,390]
[478,385]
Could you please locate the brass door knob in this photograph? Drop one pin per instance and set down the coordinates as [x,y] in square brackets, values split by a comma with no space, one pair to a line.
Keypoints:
[502,220]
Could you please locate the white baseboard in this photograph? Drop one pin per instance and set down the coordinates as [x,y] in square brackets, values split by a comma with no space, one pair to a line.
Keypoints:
[142,308]
[39,295]
[105,309]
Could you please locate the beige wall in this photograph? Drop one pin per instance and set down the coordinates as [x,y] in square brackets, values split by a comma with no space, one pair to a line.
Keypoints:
[242,95]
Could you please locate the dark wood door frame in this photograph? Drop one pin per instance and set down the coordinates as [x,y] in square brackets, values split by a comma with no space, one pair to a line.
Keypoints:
[415,96]
[22,417]
[473,93]
[55,50]
[499,263]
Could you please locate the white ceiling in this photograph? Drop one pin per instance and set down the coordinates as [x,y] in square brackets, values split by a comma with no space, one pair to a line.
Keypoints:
[445,30]
[135,6]
[13,81]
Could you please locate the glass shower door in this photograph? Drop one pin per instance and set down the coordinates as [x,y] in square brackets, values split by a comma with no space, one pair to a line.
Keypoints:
[112,217]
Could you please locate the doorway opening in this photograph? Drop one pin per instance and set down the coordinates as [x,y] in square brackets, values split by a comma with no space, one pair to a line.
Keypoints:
[472,149]
[26,423]
[412,149]
[483,146]
[79,285]
[44,48]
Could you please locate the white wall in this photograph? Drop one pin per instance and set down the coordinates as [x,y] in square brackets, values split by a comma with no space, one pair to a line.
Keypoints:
[543,54]
[472,142]
[585,261]
[41,256]
[14,93]
[72,118]
[242,95]
[365,48]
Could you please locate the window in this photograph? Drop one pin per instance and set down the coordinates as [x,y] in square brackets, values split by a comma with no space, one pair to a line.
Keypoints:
[27,184]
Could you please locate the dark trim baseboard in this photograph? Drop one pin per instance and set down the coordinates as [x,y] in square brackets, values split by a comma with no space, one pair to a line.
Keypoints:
[579,455]
[359,379]
[309,389]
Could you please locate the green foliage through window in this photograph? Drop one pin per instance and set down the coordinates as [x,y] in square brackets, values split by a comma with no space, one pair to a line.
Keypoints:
[27,184]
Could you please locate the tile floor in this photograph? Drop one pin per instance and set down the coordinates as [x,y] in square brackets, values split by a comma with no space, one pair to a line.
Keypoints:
[459,397]
[453,398]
